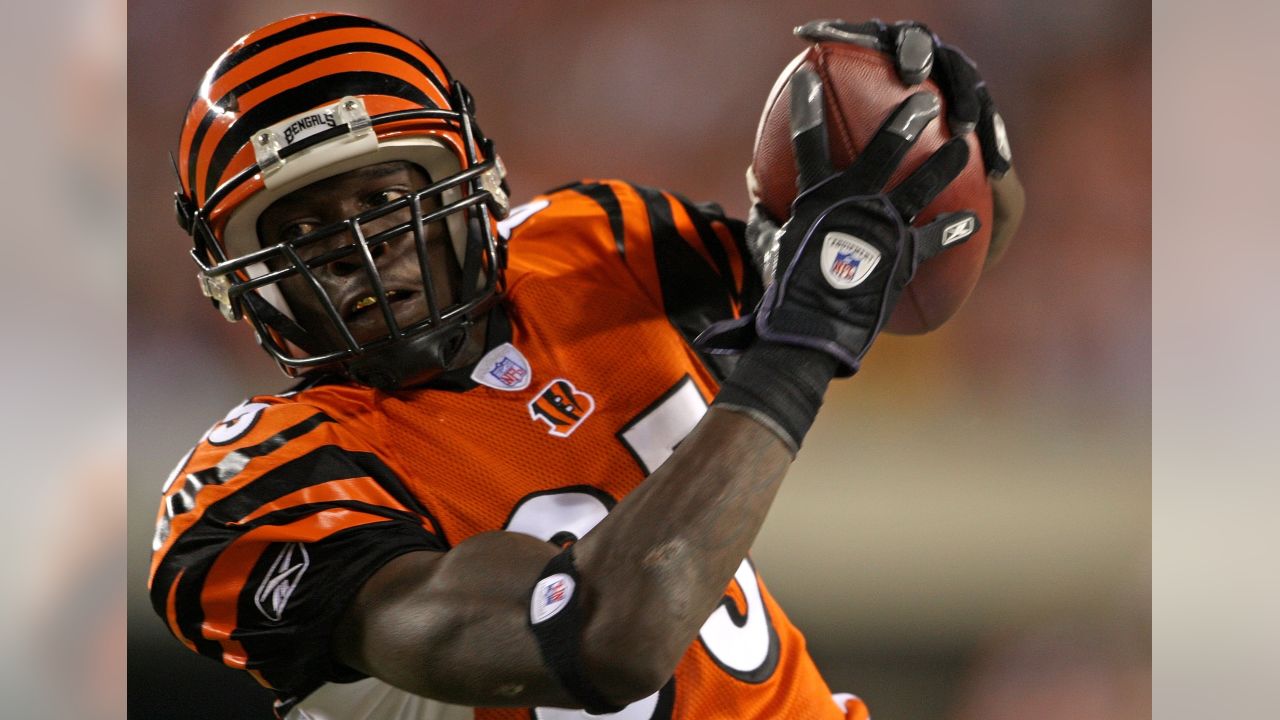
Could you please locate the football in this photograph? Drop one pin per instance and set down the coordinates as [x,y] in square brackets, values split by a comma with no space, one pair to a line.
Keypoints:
[861,86]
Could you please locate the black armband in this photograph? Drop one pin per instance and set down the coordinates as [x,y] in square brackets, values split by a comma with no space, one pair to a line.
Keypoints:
[555,616]
[780,386]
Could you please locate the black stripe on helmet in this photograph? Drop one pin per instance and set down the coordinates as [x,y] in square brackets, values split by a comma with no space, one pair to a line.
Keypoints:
[356,47]
[306,96]
[447,75]
[310,27]
[283,69]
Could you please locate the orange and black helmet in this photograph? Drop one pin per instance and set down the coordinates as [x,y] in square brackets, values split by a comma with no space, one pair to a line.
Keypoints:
[308,98]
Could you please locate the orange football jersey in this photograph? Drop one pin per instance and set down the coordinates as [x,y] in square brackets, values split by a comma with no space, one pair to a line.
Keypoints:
[272,523]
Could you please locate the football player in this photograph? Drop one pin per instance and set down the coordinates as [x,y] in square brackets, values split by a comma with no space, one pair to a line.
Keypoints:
[508,478]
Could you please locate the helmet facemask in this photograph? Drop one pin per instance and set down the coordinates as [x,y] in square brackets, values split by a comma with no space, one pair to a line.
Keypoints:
[364,294]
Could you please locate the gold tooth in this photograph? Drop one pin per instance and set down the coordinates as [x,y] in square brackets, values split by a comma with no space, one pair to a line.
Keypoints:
[365,302]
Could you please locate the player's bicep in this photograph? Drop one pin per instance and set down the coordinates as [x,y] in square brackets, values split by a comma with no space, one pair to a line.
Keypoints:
[453,626]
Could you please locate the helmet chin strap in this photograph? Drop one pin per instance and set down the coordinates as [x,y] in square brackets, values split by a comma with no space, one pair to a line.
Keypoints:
[416,360]
[423,358]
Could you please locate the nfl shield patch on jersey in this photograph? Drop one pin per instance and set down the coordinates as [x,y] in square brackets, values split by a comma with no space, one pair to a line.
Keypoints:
[503,368]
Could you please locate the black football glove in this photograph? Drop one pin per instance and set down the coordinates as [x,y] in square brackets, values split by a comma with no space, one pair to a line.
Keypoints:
[849,249]
[919,54]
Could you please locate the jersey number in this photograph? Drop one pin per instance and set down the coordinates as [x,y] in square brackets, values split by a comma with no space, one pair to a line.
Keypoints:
[741,641]
[234,426]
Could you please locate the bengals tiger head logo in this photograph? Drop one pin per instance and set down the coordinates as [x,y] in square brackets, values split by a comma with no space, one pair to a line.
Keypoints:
[561,406]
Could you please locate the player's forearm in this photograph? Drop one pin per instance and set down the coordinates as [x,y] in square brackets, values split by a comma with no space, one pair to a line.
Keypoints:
[659,563]
[453,626]
[1009,202]
[649,575]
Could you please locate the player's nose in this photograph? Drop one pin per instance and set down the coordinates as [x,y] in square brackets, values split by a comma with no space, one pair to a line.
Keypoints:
[355,262]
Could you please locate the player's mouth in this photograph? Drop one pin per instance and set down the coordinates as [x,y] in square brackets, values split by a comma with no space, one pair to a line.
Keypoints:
[364,316]
[368,302]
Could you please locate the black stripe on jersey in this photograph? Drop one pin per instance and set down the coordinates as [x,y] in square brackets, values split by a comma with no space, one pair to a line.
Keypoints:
[693,294]
[234,462]
[231,465]
[197,548]
[752,285]
[314,93]
[187,601]
[566,186]
[711,242]
[285,68]
[293,652]
[607,199]
[321,465]
[703,214]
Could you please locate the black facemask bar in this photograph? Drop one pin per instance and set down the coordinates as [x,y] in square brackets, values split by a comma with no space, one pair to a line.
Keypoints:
[482,195]
[230,278]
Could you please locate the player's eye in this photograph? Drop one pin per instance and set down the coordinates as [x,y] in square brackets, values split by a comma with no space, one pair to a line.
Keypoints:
[382,197]
[295,230]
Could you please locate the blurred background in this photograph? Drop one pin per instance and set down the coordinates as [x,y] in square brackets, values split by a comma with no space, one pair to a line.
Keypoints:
[989,555]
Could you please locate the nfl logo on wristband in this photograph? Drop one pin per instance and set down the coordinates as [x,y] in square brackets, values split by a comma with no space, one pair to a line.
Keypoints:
[550,596]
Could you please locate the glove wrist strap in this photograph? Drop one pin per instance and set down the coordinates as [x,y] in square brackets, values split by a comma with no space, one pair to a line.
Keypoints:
[781,386]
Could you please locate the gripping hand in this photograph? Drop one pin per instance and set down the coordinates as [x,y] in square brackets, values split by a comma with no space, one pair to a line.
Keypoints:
[918,55]
[848,250]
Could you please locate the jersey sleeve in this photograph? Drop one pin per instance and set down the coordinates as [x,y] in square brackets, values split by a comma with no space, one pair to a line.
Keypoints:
[689,258]
[266,531]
